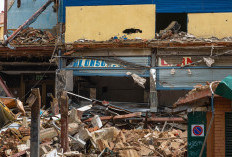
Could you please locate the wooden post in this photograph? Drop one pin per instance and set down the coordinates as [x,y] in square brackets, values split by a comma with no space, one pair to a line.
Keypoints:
[5,16]
[64,121]
[153,91]
[35,123]
[44,94]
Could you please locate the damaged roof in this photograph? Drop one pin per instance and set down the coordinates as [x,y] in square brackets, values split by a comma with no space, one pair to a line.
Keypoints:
[199,94]
[27,51]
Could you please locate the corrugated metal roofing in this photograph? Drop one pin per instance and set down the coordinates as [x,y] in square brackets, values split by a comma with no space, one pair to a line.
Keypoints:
[183,79]
[143,61]
[83,69]
[113,73]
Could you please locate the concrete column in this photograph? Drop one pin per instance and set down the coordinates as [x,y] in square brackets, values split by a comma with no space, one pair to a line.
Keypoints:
[153,91]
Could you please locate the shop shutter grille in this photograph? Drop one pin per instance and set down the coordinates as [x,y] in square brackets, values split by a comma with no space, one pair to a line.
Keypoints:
[228,133]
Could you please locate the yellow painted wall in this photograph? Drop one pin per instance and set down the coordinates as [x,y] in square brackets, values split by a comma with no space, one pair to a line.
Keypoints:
[210,24]
[1,33]
[100,23]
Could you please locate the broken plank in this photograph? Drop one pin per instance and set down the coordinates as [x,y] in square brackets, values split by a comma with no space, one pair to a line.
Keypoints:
[135,114]
[168,119]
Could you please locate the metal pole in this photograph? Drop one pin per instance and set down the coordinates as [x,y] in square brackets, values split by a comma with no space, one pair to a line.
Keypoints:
[212,118]
[80,142]
[64,122]
[5,17]
[153,91]
[35,123]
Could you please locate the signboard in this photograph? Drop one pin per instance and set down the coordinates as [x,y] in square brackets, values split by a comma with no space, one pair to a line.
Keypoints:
[196,133]
[91,63]
[185,61]
[197,130]
[110,66]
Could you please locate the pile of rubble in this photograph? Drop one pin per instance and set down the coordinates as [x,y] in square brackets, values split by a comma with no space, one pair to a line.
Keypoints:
[14,140]
[144,142]
[92,131]
[173,33]
[33,36]
[105,141]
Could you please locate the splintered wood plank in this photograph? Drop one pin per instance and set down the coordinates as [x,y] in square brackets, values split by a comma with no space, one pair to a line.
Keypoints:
[136,114]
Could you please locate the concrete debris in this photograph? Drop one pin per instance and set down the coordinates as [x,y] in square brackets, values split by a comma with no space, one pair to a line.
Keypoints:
[209,61]
[52,153]
[96,121]
[33,36]
[174,26]
[139,80]
[102,133]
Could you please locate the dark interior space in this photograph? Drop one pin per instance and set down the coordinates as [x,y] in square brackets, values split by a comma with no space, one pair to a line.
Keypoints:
[169,97]
[116,89]
[164,19]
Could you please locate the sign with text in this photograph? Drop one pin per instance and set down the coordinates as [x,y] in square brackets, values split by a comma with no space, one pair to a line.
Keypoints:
[185,61]
[91,63]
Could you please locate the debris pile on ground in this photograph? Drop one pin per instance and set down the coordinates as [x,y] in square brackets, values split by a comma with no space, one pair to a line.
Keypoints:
[14,140]
[34,36]
[143,142]
[123,143]
[102,133]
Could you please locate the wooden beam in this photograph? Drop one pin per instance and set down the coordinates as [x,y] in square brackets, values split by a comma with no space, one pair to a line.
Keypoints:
[135,114]
[166,119]
[35,123]
[64,121]
[147,44]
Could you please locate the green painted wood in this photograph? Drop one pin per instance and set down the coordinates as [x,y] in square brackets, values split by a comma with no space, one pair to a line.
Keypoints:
[195,143]
[224,88]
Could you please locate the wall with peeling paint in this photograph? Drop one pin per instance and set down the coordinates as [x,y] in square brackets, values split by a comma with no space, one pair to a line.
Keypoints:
[1,25]
[101,23]
[210,24]
[18,15]
[1,32]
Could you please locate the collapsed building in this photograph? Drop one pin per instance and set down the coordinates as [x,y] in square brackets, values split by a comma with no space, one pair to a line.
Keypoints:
[140,55]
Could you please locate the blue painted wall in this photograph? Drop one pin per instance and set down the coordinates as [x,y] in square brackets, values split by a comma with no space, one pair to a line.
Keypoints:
[193,6]
[17,16]
[165,6]
[106,2]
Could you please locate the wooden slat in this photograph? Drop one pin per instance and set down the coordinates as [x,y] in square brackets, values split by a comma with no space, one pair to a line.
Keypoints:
[136,114]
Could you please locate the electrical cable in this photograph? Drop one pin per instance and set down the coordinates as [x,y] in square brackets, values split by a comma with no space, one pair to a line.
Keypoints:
[199,61]
[38,81]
